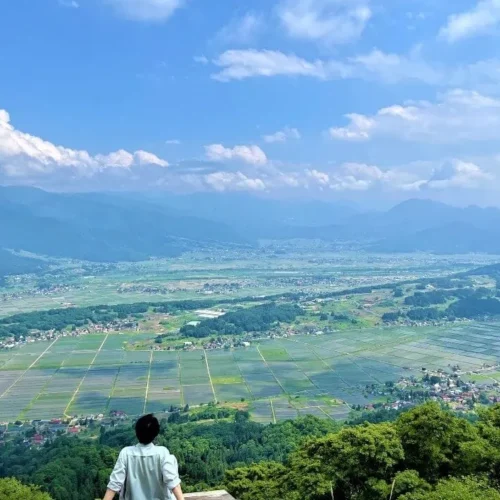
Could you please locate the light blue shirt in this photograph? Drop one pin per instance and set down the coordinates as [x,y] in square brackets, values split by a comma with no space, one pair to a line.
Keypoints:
[145,472]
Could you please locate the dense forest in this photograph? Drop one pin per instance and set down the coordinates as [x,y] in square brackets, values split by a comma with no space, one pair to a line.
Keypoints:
[254,319]
[425,453]
[466,303]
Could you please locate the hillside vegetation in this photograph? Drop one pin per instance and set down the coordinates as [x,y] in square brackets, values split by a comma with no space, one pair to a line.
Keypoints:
[426,453]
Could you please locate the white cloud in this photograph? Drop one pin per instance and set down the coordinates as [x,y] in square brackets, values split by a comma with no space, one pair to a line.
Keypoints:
[282,135]
[372,66]
[247,154]
[451,174]
[359,128]
[375,65]
[328,21]
[241,30]
[241,64]
[233,181]
[22,153]
[458,115]
[146,10]
[481,19]
[393,68]
[173,142]
[458,174]
[72,4]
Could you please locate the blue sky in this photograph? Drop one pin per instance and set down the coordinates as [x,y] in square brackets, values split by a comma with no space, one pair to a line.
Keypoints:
[350,99]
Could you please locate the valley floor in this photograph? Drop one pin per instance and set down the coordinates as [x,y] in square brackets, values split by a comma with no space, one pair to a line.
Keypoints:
[324,375]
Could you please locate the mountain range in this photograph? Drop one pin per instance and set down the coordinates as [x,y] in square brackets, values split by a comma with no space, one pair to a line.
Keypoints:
[136,226]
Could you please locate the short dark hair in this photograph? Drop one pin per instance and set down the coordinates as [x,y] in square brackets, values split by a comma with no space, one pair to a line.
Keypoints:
[147,428]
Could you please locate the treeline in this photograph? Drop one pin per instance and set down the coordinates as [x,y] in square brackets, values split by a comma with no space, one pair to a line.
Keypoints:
[425,299]
[478,305]
[254,319]
[425,454]
[78,468]
[75,317]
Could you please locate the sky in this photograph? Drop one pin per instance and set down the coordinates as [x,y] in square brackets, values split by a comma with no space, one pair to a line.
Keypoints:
[367,100]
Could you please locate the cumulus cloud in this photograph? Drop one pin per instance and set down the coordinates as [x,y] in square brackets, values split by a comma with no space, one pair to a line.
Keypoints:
[146,10]
[252,155]
[233,181]
[241,30]
[174,142]
[451,174]
[282,135]
[458,174]
[22,153]
[328,21]
[481,19]
[458,115]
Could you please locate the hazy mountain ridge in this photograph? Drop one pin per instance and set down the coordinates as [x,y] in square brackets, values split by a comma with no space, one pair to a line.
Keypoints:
[100,227]
[133,226]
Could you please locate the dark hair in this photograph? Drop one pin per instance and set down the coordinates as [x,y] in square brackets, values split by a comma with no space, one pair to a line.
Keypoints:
[147,428]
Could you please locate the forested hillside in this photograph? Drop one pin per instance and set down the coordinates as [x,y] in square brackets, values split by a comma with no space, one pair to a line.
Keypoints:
[101,228]
[426,453]
[15,264]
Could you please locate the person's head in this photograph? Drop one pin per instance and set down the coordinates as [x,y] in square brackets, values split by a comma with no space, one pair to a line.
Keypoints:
[147,428]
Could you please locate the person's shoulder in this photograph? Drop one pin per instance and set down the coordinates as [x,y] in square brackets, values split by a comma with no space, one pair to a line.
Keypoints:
[162,450]
[127,450]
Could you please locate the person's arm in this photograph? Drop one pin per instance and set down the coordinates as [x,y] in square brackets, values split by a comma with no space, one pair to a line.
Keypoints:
[117,478]
[110,494]
[177,491]
[170,471]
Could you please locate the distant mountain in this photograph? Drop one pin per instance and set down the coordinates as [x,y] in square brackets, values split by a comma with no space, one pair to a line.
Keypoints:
[101,227]
[414,225]
[422,225]
[133,226]
[256,217]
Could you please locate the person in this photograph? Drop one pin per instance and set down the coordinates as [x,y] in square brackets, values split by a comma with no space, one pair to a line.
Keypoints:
[145,471]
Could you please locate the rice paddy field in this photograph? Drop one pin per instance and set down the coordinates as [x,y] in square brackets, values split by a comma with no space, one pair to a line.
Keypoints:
[280,379]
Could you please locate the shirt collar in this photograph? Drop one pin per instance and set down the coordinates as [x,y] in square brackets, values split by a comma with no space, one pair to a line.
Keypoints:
[145,446]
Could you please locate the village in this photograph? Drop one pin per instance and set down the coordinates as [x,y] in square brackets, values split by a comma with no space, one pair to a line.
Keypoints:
[449,389]
[40,431]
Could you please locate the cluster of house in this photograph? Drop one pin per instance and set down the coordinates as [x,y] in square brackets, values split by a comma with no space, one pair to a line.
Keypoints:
[149,289]
[439,386]
[35,292]
[37,432]
[11,342]
[37,336]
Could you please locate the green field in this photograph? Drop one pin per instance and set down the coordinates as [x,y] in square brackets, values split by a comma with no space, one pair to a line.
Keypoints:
[279,378]
[228,273]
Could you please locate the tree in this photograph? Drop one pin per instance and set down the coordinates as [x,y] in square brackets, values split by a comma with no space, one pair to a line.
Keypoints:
[469,488]
[406,482]
[12,489]
[349,461]
[431,438]
[261,481]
